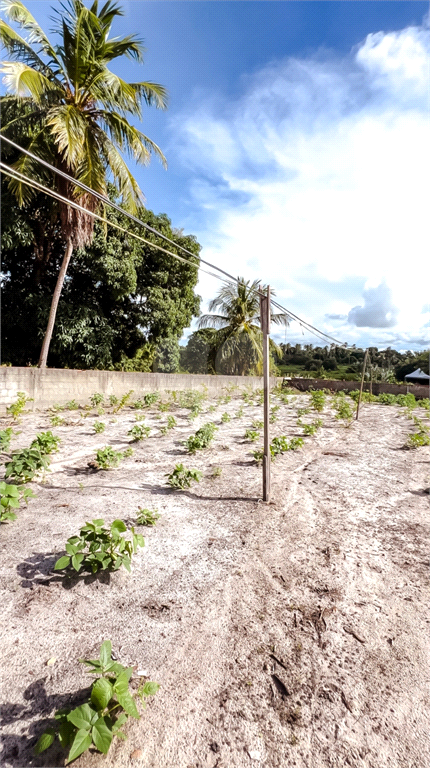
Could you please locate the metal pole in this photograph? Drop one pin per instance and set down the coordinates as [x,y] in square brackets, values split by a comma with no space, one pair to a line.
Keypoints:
[265,327]
[361,384]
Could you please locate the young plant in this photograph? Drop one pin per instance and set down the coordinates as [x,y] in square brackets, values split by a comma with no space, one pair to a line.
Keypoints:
[274,413]
[216,472]
[72,405]
[128,452]
[123,402]
[225,418]
[163,407]
[97,721]
[113,400]
[212,408]
[150,398]
[239,413]
[171,422]
[258,424]
[202,438]
[252,435]
[100,411]
[46,442]
[96,399]
[56,421]
[138,432]
[182,478]
[317,400]
[279,445]
[10,499]
[417,439]
[25,464]
[5,438]
[147,516]
[302,411]
[99,427]
[98,548]
[17,408]
[107,458]
[343,409]
[310,429]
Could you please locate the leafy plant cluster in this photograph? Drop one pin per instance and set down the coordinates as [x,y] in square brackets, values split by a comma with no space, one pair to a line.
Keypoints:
[99,548]
[10,499]
[342,408]
[108,458]
[46,442]
[27,462]
[98,720]
[252,435]
[274,413]
[5,438]
[171,424]
[182,477]
[17,408]
[138,432]
[225,418]
[99,427]
[123,402]
[421,436]
[202,438]
[317,399]
[310,429]
[147,516]
[278,446]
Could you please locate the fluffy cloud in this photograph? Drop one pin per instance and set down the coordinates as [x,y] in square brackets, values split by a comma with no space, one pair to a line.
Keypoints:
[316,181]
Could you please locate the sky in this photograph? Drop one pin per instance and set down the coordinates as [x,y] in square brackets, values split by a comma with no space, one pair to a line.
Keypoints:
[297,142]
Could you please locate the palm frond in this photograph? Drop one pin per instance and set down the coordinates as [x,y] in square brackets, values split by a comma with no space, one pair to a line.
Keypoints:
[213,321]
[31,168]
[18,48]
[130,139]
[68,127]
[22,80]
[18,13]
[130,192]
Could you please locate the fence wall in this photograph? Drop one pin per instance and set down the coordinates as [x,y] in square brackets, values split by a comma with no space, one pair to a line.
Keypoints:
[347,386]
[59,385]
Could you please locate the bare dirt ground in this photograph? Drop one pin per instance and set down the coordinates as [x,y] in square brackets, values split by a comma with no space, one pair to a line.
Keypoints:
[290,634]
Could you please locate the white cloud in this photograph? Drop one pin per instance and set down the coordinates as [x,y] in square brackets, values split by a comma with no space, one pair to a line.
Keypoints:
[316,181]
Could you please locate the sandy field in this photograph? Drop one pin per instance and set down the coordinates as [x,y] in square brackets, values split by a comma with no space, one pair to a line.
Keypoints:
[295,633]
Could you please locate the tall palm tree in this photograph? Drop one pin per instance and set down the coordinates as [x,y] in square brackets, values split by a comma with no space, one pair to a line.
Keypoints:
[239,338]
[77,110]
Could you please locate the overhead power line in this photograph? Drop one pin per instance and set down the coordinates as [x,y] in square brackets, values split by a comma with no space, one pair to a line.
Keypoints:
[106,201]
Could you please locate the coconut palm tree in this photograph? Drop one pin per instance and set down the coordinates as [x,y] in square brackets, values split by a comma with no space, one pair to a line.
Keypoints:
[239,338]
[74,112]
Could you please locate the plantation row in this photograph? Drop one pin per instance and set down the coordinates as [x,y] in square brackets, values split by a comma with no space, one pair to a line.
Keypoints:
[98,547]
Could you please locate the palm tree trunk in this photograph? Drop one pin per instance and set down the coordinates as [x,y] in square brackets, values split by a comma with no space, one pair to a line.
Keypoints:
[54,304]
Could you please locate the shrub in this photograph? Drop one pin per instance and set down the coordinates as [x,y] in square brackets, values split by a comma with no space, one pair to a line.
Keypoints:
[10,499]
[107,458]
[182,477]
[147,516]
[386,398]
[96,399]
[138,432]
[95,723]
[99,548]
[99,427]
[25,464]
[202,438]
[46,442]
[17,408]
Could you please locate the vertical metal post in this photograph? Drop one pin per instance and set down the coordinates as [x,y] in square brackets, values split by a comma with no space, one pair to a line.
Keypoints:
[361,384]
[265,327]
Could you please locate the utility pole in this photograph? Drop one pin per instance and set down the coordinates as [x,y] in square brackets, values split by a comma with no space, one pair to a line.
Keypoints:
[265,327]
[361,384]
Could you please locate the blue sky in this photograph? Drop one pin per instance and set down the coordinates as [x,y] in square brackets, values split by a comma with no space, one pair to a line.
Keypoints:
[297,141]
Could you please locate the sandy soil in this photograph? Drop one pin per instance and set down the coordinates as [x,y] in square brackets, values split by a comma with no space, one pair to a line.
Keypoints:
[290,634]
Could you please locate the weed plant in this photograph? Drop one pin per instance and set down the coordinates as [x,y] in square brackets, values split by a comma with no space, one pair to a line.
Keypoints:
[17,408]
[182,477]
[95,723]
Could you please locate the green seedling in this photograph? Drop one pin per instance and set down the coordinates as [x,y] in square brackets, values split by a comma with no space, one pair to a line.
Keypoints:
[25,464]
[202,438]
[182,477]
[163,407]
[139,417]
[10,499]
[147,516]
[216,472]
[100,411]
[343,409]
[113,400]
[96,399]
[239,413]
[72,405]
[95,723]
[311,429]
[56,407]
[99,427]
[150,398]
[258,424]
[171,422]
[123,402]
[252,435]
[98,548]
[138,432]
[225,418]
[317,400]
[46,442]
[128,452]
[274,413]
[107,458]
[212,408]
[5,438]
[17,408]
[302,411]
[279,445]
[57,421]
[417,439]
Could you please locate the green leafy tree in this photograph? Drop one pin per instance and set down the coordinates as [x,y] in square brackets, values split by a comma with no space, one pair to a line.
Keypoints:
[77,111]
[238,339]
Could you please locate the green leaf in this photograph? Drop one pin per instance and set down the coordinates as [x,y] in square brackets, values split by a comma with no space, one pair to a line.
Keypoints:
[81,742]
[65,732]
[82,716]
[102,735]
[77,560]
[45,741]
[101,693]
[63,562]
[118,525]
[71,548]
[126,563]
[105,653]
[121,685]
[121,735]
[128,704]
[150,688]
[121,720]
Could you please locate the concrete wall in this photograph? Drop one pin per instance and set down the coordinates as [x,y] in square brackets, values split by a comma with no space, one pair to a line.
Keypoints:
[58,385]
[377,386]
